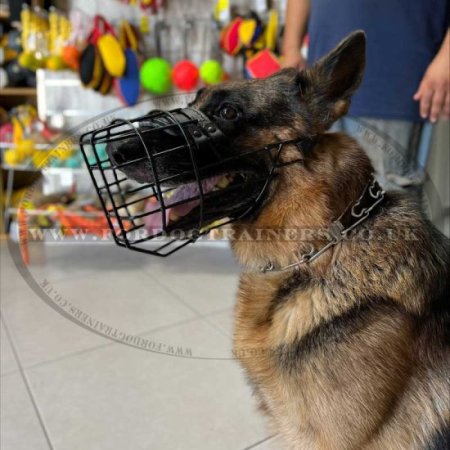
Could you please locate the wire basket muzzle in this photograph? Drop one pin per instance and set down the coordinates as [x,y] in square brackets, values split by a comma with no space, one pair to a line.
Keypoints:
[168,177]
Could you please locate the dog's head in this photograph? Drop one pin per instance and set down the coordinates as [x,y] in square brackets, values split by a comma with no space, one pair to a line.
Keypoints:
[252,114]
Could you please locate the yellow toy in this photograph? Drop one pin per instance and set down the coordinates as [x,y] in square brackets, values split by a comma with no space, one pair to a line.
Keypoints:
[34,39]
[59,32]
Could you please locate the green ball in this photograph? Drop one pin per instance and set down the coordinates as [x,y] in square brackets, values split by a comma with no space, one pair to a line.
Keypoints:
[211,72]
[156,75]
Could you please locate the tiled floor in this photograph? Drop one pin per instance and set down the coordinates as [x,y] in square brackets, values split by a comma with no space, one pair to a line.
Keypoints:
[64,387]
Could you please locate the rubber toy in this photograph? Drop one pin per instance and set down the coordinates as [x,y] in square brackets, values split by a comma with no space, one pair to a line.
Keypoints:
[271,30]
[55,62]
[71,56]
[185,75]
[211,72]
[128,87]
[229,38]
[249,31]
[109,48]
[262,65]
[155,75]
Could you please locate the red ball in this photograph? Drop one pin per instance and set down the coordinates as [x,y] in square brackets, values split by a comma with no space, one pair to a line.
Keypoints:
[185,75]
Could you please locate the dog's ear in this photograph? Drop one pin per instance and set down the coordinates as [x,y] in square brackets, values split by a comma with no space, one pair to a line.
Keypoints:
[329,84]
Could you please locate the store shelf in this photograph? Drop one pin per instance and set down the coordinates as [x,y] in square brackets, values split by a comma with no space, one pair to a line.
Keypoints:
[7,145]
[49,170]
[45,212]
[18,92]
[20,168]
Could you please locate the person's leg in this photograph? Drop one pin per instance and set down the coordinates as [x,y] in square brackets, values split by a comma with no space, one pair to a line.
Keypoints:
[392,147]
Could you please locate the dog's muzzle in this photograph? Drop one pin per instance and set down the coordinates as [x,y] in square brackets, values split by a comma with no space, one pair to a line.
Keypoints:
[173,175]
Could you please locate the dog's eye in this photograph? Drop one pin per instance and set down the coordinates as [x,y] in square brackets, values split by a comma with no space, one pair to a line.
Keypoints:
[227,112]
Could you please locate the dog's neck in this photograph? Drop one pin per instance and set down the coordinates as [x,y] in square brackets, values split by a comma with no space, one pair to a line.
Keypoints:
[304,201]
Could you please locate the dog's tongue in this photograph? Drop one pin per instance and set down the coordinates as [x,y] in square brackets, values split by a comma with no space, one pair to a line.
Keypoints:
[184,192]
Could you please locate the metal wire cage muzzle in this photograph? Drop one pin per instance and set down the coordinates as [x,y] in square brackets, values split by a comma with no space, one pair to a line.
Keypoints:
[155,176]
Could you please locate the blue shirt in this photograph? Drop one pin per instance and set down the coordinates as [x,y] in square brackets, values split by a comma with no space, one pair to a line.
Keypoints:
[403,36]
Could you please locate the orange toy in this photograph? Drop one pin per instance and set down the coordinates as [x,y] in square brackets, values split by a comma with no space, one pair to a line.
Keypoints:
[229,37]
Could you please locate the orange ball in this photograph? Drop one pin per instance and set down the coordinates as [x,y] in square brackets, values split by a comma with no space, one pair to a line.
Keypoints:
[71,56]
[185,75]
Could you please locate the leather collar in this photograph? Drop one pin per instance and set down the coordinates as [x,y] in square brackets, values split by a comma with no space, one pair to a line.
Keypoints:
[353,215]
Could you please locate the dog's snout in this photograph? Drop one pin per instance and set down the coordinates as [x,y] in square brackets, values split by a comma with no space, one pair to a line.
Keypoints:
[117,156]
[124,152]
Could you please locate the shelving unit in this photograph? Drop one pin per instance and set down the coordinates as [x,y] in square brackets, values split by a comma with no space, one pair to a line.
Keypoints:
[18,92]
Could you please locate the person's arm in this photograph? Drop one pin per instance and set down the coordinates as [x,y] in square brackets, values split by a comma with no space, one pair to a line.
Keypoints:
[297,15]
[434,90]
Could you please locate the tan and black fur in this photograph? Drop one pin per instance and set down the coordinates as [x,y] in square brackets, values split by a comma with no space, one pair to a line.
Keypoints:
[350,351]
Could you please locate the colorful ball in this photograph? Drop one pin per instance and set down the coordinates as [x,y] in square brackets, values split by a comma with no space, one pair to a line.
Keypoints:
[211,72]
[185,75]
[55,62]
[155,75]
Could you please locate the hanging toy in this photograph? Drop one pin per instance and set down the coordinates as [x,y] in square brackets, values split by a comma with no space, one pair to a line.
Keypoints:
[211,72]
[128,87]
[29,24]
[263,64]
[110,49]
[55,60]
[185,73]
[78,27]
[229,38]
[249,31]
[156,73]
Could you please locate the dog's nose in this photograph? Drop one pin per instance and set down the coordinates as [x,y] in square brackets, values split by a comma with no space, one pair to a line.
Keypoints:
[121,153]
[116,154]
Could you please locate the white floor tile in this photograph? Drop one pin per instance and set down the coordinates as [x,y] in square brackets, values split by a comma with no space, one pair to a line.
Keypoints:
[224,321]
[274,443]
[206,278]
[8,362]
[67,261]
[119,397]
[20,428]
[131,302]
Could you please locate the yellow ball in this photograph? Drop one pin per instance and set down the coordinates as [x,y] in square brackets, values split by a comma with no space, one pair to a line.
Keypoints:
[11,157]
[27,60]
[55,62]
[26,147]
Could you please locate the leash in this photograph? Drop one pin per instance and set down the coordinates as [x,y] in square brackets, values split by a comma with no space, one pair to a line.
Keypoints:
[352,216]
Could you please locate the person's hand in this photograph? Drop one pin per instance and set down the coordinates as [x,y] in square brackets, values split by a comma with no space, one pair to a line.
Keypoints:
[293,58]
[434,90]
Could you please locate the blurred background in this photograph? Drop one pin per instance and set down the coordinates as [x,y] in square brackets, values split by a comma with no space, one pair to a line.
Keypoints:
[72,66]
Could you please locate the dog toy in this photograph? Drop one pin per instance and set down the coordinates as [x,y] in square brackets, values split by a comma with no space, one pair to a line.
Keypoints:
[59,31]
[271,30]
[155,75]
[229,38]
[185,75]
[127,87]
[211,71]
[71,51]
[109,47]
[34,49]
[262,65]
[249,31]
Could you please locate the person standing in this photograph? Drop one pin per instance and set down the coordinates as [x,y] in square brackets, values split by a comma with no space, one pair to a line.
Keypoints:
[407,77]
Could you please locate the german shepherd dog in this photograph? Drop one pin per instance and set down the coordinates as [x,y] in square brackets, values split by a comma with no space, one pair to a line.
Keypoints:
[349,349]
